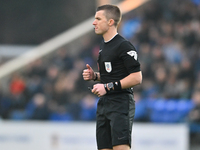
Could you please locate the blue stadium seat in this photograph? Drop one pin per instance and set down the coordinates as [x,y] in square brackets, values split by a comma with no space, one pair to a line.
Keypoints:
[169,111]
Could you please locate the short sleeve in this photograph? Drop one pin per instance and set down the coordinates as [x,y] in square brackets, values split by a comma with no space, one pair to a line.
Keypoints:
[128,54]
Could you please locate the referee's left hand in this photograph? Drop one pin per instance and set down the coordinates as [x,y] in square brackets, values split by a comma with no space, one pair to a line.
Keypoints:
[99,90]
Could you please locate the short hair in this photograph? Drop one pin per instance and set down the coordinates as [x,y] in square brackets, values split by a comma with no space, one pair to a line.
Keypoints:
[111,12]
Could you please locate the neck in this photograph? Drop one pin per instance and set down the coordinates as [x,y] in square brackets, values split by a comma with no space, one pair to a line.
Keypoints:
[109,34]
[111,38]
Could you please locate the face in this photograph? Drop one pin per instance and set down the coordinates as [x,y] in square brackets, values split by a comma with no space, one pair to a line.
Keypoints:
[100,23]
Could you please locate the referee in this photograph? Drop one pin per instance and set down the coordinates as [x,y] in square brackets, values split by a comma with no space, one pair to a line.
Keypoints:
[119,71]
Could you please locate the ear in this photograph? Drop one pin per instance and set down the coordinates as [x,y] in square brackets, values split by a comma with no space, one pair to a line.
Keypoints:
[111,22]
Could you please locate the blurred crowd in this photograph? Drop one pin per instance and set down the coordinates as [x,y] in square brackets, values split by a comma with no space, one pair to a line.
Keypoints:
[167,37]
[51,88]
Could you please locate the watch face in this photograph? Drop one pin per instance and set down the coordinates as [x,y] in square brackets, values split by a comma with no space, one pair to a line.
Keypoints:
[110,85]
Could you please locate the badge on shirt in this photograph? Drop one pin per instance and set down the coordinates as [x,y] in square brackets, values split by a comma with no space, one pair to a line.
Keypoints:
[133,54]
[108,66]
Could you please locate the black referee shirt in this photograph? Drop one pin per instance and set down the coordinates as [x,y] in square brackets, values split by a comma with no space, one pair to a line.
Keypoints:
[117,59]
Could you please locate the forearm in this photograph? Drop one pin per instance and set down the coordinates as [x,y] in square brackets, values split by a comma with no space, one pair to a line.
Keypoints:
[131,80]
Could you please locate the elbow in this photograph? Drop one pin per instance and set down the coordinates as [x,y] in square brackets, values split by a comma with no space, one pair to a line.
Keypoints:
[139,81]
[136,78]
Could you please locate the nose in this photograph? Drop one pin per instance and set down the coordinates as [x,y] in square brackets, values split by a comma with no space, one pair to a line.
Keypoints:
[94,22]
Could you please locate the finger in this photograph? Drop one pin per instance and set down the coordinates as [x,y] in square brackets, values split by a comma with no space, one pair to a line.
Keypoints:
[86,77]
[85,74]
[88,66]
[98,94]
[85,71]
[94,90]
[95,86]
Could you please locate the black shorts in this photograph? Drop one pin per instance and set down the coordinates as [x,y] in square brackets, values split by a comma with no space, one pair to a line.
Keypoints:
[115,114]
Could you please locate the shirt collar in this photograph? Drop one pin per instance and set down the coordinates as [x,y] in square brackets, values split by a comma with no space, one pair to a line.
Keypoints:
[111,38]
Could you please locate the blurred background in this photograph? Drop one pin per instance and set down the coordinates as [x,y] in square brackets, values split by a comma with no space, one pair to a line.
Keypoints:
[46,84]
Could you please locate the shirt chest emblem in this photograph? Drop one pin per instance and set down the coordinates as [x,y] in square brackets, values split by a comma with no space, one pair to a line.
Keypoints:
[108,66]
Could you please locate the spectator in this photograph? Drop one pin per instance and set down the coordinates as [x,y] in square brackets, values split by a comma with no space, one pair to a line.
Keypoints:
[37,108]
[17,85]
[194,118]
[61,114]
[194,115]
[88,108]
[167,39]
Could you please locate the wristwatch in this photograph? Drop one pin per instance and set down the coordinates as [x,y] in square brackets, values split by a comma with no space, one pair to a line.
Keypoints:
[110,86]
[105,86]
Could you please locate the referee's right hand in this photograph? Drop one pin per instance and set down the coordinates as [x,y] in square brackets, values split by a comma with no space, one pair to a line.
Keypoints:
[88,74]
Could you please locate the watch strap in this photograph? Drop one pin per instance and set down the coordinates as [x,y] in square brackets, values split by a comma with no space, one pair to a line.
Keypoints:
[96,76]
[105,86]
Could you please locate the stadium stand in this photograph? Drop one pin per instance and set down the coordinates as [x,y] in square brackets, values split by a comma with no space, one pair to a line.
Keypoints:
[167,37]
